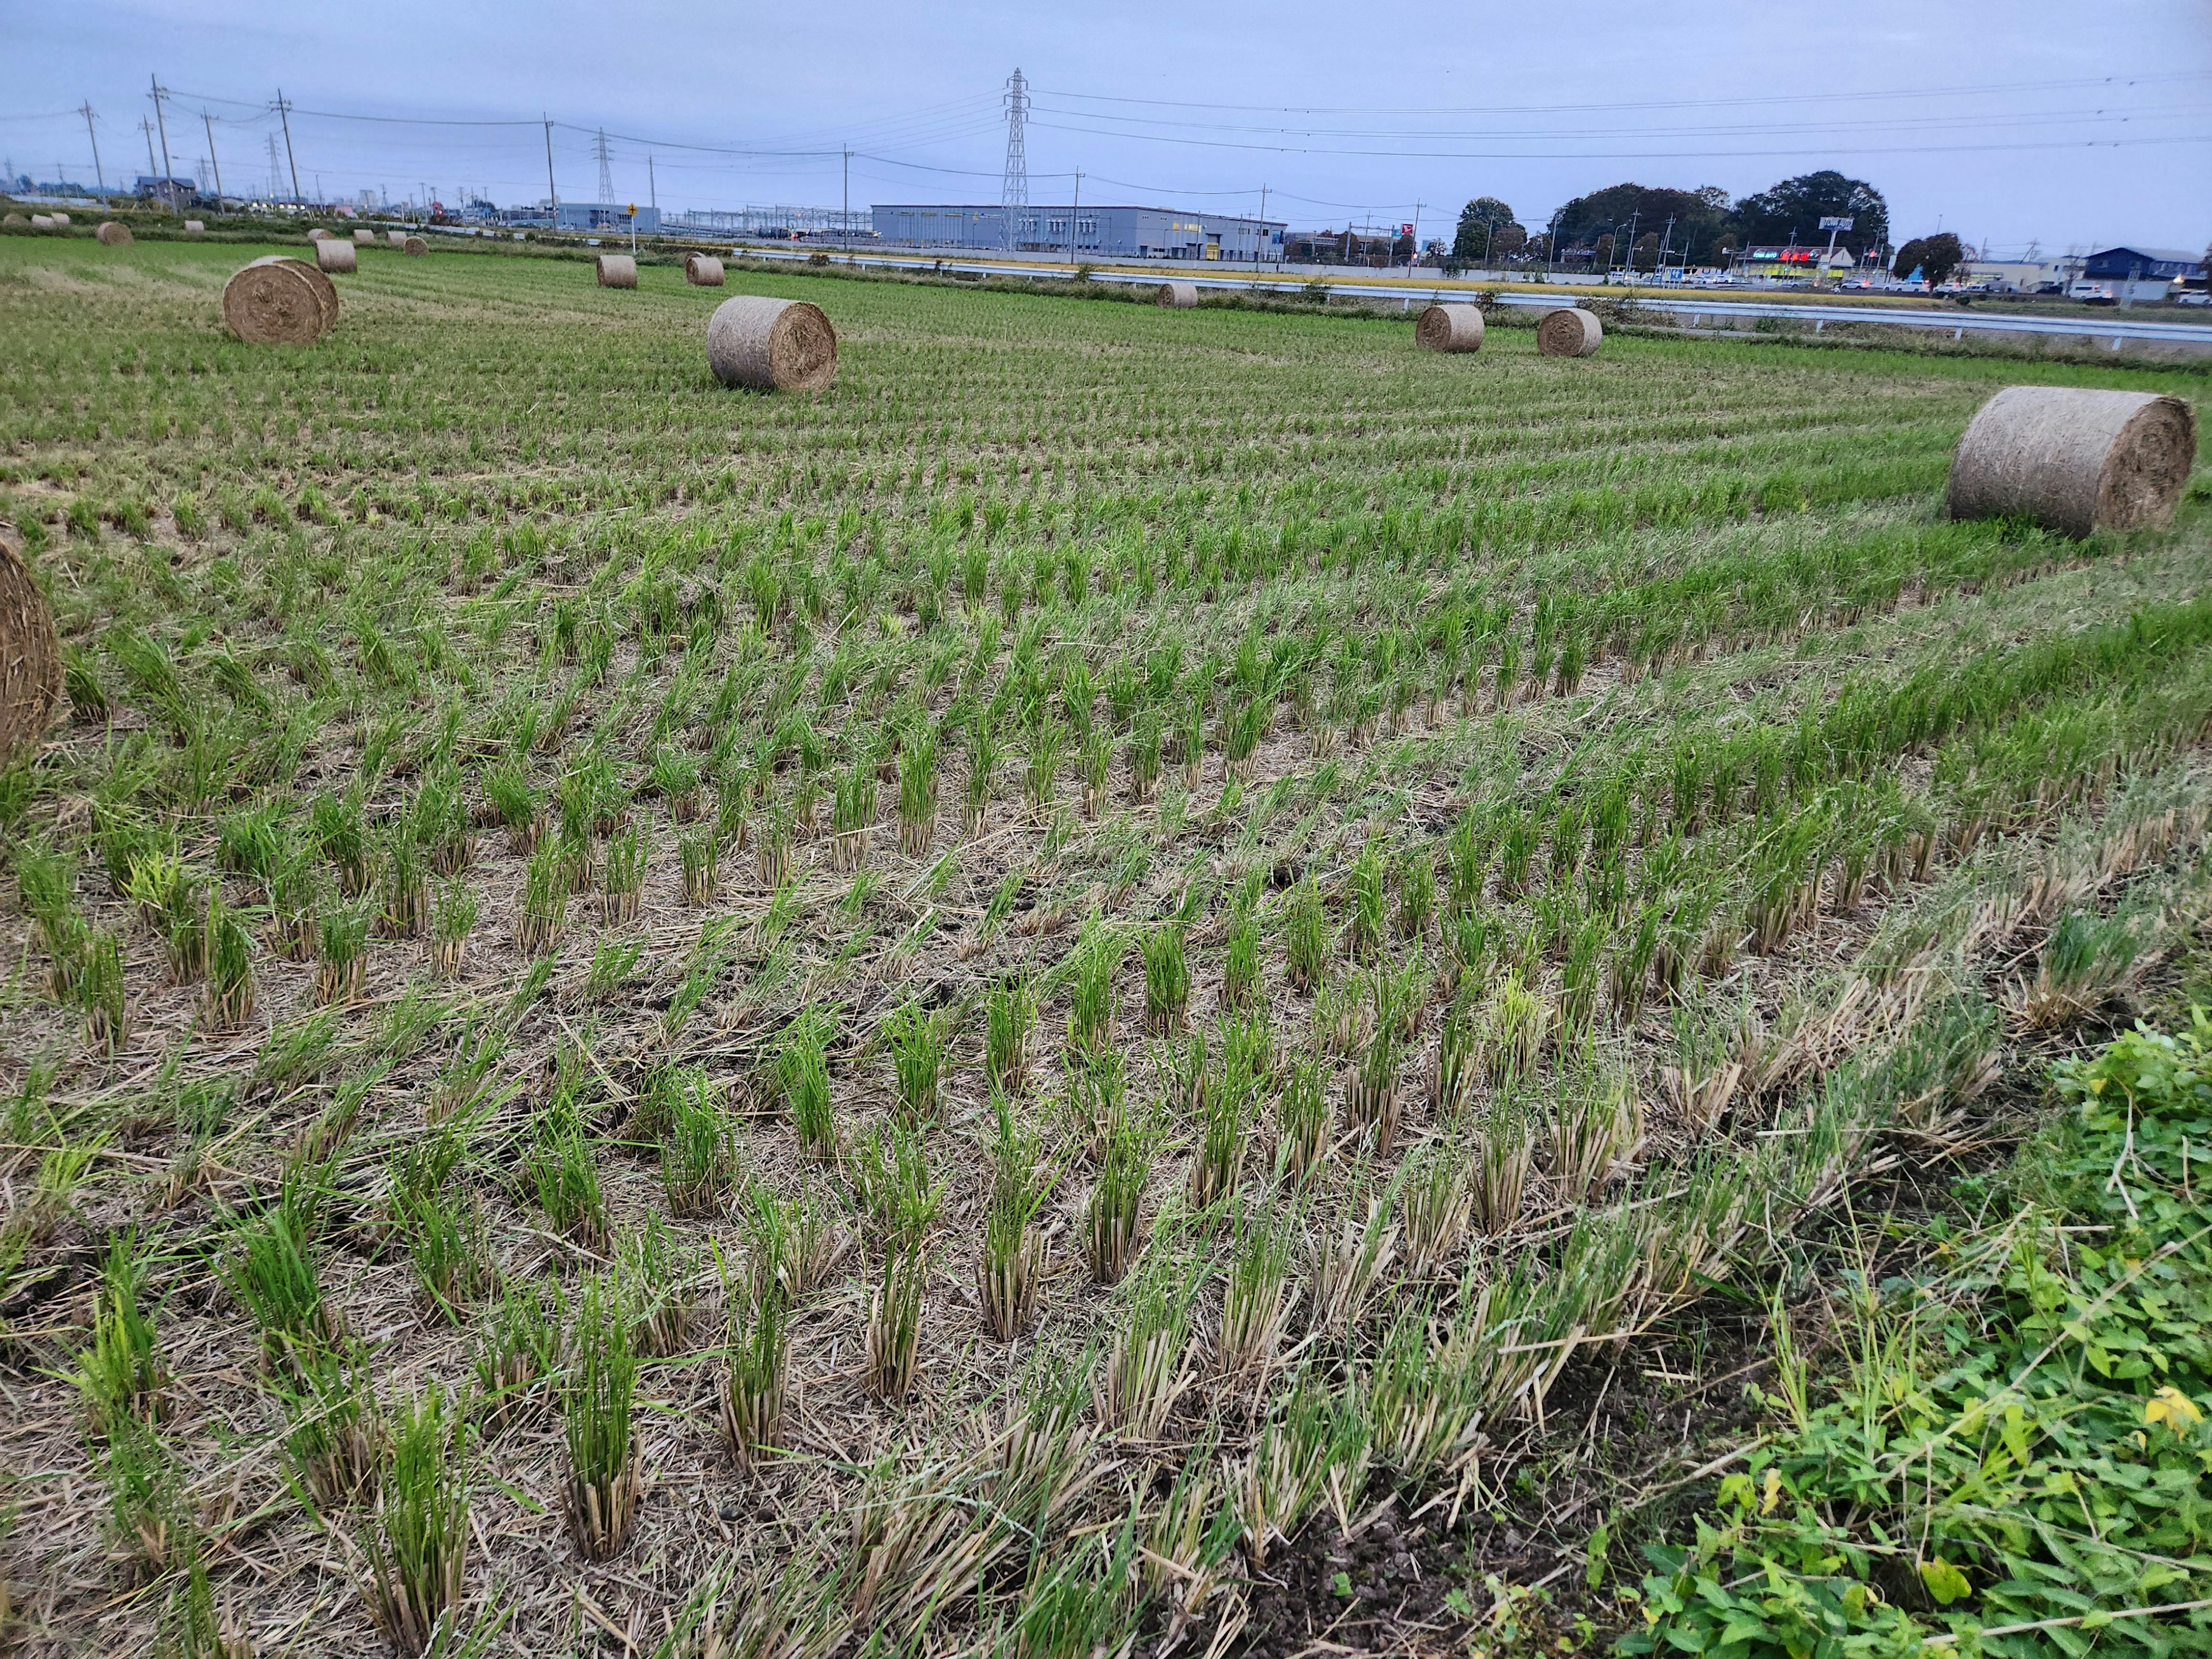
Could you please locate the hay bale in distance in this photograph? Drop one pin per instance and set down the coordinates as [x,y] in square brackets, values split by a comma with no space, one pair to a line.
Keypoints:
[61,219]
[617,271]
[114,234]
[396,238]
[1570,331]
[1449,328]
[364,239]
[2074,459]
[702,271]
[332,255]
[278,301]
[195,227]
[781,345]
[40,221]
[1177,296]
[414,245]
[317,234]
[14,219]
[30,652]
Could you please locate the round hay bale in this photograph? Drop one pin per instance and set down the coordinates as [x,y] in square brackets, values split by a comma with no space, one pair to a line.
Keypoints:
[1177,296]
[779,345]
[114,234]
[1570,331]
[414,245]
[30,654]
[702,271]
[317,234]
[332,255]
[617,271]
[396,238]
[195,227]
[61,219]
[42,221]
[1449,328]
[2074,459]
[278,301]
[364,239]
[14,219]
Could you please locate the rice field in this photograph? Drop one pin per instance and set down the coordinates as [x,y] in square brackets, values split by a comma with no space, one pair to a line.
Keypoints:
[1145,981]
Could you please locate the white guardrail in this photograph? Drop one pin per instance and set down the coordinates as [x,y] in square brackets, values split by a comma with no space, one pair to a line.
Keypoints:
[1957,322]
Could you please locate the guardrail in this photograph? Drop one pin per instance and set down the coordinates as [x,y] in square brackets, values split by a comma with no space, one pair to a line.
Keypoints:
[1956,323]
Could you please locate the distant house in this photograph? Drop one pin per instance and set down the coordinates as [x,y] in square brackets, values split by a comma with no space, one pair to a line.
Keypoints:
[2142,273]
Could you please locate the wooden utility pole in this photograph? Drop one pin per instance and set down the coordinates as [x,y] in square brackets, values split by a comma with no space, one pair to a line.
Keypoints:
[552,194]
[214,161]
[99,177]
[284,114]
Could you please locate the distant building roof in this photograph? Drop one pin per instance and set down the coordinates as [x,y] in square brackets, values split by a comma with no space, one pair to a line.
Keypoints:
[2147,262]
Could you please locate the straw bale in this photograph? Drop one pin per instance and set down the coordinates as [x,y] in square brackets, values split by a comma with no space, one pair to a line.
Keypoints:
[1451,328]
[782,345]
[332,255]
[617,271]
[195,227]
[702,271]
[1570,331]
[114,234]
[279,301]
[364,239]
[2076,460]
[414,245]
[61,219]
[30,652]
[1177,296]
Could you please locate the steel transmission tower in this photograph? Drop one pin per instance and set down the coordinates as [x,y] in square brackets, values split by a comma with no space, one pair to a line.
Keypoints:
[1014,193]
[606,173]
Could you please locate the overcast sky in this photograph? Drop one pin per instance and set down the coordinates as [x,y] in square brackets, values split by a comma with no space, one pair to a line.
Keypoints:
[2072,122]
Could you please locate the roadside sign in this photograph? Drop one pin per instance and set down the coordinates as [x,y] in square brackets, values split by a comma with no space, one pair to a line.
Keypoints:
[1830,223]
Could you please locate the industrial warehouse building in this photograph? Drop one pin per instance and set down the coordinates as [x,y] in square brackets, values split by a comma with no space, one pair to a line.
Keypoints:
[1103,232]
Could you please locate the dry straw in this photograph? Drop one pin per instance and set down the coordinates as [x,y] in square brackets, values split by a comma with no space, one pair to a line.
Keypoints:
[1570,331]
[1177,296]
[114,234]
[2074,459]
[414,245]
[702,271]
[30,655]
[617,271]
[332,255]
[772,345]
[279,301]
[1449,328]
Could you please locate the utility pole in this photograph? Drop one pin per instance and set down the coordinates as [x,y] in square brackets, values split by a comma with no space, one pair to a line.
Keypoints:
[1075,210]
[214,160]
[552,193]
[1414,254]
[146,127]
[845,215]
[168,169]
[85,110]
[652,191]
[284,114]
[1263,216]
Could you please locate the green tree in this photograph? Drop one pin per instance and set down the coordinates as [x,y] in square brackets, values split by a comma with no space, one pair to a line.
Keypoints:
[1795,207]
[1935,257]
[1482,220]
[1690,221]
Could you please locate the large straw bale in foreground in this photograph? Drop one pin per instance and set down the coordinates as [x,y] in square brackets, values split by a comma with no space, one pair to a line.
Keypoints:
[2074,459]
[279,301]
[1449,328]
[114,234]
[702,271]
[781,345]
[617,271]
[1177,296]
[1570,331]
[332,255]
[30,652]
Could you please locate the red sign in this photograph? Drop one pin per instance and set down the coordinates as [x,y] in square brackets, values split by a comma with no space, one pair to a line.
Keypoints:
[1405,230]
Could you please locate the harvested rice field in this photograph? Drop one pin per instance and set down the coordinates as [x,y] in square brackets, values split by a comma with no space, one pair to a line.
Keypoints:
[1144,981]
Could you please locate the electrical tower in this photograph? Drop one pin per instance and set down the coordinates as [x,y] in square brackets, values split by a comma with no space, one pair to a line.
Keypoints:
[1014,193]
[606,173]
